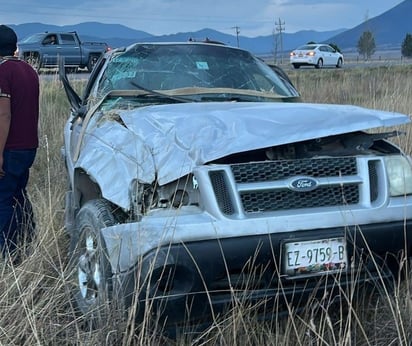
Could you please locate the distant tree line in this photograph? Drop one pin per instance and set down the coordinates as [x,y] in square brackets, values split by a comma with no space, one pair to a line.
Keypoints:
[367,46]
[406,49]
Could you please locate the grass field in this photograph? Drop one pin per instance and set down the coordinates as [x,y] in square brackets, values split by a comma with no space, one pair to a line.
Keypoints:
[35,305]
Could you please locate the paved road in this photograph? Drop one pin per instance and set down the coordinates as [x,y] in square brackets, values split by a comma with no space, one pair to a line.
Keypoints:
[354,63]
[349,64]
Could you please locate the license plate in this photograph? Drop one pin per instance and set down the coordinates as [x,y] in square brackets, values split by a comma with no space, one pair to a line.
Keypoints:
[315,257]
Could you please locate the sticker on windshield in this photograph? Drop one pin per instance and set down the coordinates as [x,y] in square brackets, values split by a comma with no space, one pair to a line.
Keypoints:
[202,65]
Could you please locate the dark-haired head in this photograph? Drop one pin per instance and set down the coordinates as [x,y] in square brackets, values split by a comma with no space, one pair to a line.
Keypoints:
[8,41]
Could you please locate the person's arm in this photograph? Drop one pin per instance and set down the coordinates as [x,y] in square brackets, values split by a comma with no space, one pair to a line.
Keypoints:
[5,116]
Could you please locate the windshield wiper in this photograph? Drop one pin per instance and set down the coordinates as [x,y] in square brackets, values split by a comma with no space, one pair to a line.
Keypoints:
[231,98]
[235,98]
[162,95]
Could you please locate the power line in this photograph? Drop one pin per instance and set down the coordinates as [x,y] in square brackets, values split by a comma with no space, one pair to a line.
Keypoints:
[279,28]
[237,33]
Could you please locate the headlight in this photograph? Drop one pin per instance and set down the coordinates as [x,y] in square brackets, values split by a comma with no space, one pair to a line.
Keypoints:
[179,193]
[399,171]
[143,197]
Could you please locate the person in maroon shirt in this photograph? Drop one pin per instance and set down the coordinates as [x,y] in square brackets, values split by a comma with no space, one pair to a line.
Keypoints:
[19,115]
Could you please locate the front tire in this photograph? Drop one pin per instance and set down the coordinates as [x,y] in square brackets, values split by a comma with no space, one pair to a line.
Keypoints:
[90,266]
[339,63]
[33,59]
[92,62]
[296,66]
[319,64]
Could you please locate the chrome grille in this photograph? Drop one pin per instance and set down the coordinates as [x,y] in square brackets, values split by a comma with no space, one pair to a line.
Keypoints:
[277,170]
[277,199]
[284,199]
[373,180]
[265,186]
[218,179]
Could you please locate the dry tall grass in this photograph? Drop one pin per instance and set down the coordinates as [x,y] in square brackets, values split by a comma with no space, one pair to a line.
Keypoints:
[35,306]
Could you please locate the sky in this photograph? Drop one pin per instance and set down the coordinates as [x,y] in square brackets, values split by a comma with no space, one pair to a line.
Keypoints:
[249,18]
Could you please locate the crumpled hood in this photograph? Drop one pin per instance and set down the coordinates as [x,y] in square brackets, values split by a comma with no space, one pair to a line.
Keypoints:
[168,141]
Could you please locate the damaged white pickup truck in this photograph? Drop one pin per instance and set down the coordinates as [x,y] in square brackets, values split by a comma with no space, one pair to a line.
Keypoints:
[197,179]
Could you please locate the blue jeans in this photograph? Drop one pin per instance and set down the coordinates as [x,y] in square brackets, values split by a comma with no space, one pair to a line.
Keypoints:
[16,214]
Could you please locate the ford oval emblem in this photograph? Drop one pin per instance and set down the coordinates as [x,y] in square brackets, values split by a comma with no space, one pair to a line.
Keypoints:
[303,184]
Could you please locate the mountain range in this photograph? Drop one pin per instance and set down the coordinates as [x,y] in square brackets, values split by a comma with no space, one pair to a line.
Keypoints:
[389,30]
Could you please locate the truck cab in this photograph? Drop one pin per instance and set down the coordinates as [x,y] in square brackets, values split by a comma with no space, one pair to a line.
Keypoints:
[43,50]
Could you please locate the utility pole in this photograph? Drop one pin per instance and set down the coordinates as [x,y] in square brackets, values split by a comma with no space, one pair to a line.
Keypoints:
[279,28]
[237,33]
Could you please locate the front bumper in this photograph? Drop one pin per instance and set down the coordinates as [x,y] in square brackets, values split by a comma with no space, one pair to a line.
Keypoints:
[192,281]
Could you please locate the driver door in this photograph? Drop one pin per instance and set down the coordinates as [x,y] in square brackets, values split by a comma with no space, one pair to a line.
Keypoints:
[51,49]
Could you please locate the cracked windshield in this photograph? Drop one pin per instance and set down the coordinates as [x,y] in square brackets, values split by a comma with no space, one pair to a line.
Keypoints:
[195,72]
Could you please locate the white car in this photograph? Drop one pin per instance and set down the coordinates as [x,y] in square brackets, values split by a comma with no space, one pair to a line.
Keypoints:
[317,55]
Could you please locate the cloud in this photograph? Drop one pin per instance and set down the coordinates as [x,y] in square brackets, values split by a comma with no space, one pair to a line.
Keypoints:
[254,18]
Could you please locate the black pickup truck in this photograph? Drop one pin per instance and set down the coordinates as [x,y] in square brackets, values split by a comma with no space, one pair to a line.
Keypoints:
[43,50]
